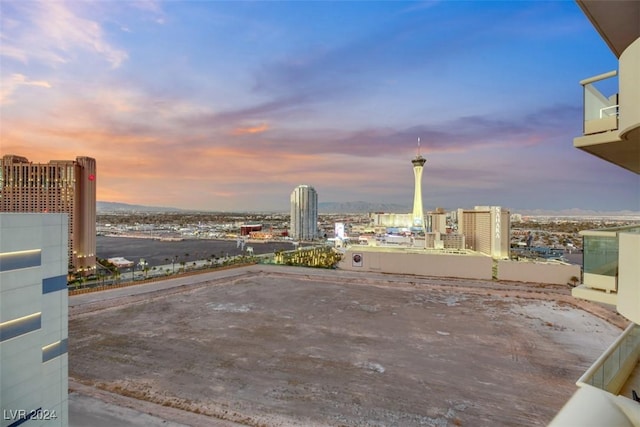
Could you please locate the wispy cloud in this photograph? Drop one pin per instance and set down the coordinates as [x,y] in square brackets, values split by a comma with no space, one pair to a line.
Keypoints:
[251,130]
[230,105]
[52,32]
[152,7]
[13,82]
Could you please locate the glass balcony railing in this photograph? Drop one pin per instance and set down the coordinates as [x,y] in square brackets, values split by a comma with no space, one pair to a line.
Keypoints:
[601,251]
[612,369]
[600,111]
[600,255]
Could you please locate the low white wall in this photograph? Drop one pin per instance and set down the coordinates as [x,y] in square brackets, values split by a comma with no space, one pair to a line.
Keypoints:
[422,264]
[538,272]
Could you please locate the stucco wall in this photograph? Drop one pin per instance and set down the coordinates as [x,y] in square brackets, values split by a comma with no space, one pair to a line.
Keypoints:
[629,271]
[526,271]
[630,89]
[439,265]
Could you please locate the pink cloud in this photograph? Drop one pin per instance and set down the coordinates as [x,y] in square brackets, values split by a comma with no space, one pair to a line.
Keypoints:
[250,130]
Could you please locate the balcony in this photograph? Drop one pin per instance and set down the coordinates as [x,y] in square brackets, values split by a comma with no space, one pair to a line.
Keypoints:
[606,388]
[611,120]
[600,112]
[611,273]
[616,370]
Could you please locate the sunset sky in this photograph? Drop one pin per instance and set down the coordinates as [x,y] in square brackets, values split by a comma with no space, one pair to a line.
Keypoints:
[230,105]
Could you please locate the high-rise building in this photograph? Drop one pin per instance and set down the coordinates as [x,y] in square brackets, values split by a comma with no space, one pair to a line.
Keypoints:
[486,229]
[60,186]
[417,217]
[611,272]
[33,319]
[304,213]
[437,221]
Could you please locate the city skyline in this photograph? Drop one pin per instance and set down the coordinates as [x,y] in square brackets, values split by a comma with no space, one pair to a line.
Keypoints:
[226,106]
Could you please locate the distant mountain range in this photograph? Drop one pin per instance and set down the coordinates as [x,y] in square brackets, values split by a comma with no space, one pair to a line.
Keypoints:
[365,207]
[577,212]
[324,207]
[115,207]
[361,207]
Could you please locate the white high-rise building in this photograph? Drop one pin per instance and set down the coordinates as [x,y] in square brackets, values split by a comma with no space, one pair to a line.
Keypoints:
[34,307]
[304,213]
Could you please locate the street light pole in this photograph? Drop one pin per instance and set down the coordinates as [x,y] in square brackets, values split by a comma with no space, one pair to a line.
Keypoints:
[143,265]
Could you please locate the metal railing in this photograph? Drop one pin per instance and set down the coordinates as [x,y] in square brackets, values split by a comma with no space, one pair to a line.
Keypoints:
[611,107]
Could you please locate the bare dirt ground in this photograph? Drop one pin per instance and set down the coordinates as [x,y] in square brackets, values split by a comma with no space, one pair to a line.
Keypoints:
[286,346]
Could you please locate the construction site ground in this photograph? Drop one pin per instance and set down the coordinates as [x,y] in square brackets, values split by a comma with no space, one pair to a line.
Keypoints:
[286,346]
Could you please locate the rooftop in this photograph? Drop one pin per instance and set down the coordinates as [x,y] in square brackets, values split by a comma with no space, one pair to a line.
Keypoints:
[298,346]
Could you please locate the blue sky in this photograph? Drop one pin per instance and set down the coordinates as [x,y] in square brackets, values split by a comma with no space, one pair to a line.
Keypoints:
[230,105]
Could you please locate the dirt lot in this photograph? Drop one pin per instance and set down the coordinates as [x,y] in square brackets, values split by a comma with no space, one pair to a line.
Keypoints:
[290,348]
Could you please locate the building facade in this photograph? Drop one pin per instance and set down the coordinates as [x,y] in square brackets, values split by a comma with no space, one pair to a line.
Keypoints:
[33,319]
[437,221]
[396,220]
[60,186]
[609,391]
[486,229]
[304,213]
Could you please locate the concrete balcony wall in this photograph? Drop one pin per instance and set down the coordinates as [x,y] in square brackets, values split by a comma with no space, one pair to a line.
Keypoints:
[590,406]
[604,124]
[629,276]
[629,120]
[601,282]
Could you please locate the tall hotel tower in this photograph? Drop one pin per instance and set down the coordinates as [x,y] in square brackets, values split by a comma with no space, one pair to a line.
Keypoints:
[417,220]
[304,213]
[60,186]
